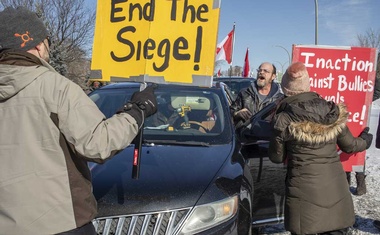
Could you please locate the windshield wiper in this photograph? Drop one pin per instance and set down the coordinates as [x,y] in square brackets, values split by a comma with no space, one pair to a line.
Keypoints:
[175,142]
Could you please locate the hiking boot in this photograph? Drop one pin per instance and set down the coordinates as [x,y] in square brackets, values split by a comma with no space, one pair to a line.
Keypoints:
[361,188]
[348,176]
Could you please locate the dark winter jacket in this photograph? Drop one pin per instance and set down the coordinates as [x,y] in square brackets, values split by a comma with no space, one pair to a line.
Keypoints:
[248,98]
[376,92]
[307,131]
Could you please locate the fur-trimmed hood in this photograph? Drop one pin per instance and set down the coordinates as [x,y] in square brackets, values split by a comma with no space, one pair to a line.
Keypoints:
[309,118]
[317,132]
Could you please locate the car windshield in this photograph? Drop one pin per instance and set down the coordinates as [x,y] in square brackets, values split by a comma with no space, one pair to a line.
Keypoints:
[186,115]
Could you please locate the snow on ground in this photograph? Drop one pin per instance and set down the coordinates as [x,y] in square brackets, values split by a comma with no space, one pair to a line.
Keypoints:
[367,207]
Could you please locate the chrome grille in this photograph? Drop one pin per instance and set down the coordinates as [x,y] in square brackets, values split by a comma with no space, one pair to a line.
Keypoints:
[158,223]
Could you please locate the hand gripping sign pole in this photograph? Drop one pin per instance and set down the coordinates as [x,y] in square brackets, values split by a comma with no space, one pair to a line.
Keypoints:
[137,143]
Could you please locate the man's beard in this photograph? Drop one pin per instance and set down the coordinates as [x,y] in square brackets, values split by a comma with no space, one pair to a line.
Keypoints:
[261,83]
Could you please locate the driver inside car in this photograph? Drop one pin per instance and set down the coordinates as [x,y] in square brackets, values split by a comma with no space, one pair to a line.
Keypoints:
[166,114]
[180,112]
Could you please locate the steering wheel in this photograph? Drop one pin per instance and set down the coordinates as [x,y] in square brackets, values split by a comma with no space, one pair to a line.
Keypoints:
[197,124]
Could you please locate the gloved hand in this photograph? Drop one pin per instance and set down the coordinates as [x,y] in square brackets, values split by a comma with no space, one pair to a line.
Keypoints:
[146,100]
[366,136]
[142,104]
[243,114]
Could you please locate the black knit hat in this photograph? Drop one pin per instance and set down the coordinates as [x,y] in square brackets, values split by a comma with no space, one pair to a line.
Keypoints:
[21,29]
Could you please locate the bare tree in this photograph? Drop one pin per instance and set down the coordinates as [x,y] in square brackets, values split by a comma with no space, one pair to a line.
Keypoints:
[372,39]
[71,27]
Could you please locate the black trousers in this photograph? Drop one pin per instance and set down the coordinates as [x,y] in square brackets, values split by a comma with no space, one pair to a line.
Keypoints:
[87,229]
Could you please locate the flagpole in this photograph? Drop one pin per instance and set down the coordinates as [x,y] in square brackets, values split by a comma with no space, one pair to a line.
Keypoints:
[233,46]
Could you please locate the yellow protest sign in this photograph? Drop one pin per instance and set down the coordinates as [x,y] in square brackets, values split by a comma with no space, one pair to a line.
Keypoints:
[161,41]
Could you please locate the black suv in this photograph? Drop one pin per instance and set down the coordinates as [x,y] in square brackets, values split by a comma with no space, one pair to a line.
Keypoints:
[193,178]
[236,84]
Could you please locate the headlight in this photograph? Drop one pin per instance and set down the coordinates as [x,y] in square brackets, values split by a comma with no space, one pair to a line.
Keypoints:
[210,215]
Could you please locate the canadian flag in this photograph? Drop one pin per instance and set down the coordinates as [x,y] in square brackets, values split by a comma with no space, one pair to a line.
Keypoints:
[246,65]
[224,48]
[219,73]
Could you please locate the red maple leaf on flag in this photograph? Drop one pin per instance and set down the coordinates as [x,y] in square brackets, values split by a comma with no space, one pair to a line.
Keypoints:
[225,47]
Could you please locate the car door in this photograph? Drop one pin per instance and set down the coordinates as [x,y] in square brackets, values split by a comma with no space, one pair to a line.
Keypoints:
[269,178]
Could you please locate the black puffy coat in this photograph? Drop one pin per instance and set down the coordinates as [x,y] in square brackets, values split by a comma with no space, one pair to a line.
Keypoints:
[307,131]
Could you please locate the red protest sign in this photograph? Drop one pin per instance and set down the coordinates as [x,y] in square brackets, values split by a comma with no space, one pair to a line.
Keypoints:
[343,75]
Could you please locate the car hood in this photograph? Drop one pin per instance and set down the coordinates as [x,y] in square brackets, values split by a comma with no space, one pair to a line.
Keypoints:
[170,177]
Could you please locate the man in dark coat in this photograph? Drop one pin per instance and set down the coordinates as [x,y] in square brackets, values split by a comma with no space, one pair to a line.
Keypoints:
[307,129]
[260,93]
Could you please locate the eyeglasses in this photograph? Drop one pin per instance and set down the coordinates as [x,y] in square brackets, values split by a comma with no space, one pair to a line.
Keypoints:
[263,70]
[49,40]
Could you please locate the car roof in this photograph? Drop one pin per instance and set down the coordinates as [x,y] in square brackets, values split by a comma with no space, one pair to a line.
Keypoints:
[235,79]
[121,85]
